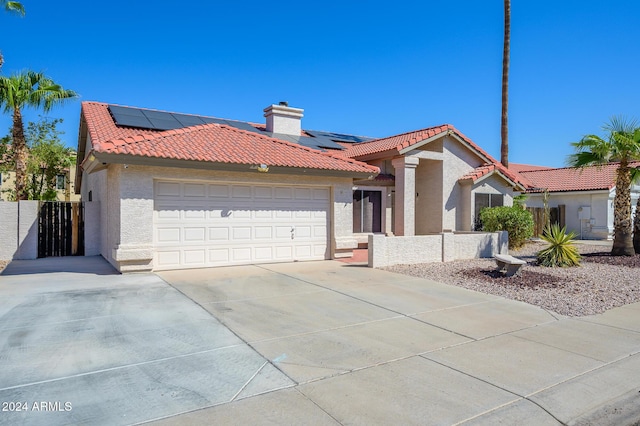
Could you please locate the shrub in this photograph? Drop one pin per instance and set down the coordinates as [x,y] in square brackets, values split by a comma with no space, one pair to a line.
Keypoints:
[561,250]
[517,222]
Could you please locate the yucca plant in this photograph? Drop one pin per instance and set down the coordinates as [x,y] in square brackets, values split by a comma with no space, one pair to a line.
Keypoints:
[561,250]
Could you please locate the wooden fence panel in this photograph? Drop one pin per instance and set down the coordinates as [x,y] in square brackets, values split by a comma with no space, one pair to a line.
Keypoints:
[61,229]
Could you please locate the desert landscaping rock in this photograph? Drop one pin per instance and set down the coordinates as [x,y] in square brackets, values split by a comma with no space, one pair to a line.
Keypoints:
[601,283]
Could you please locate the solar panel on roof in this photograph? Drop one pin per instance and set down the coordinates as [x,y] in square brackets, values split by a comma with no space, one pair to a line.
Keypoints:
[241,125]
[132,121]
[337,136]
[162,124]
[188,120]
[118,110]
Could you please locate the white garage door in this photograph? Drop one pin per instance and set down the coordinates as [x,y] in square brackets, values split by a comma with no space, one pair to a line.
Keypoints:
[211,224]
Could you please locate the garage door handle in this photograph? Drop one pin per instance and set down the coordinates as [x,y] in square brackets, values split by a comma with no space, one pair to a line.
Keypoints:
[293,232]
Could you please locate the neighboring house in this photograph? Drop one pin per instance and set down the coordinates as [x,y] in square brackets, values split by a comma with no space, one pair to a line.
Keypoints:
[183,191]
[65,185]
[584,196]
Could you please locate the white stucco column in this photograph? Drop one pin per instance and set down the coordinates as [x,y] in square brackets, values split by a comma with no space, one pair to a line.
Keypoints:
[405,205]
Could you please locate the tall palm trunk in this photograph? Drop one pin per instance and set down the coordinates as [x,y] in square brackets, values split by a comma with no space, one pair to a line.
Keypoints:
[636,228]
[504,128]
[20,151]
[622,240]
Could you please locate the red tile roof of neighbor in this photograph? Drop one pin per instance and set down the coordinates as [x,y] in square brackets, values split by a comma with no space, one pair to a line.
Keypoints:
[574,179]
[514,167]
[397,143]
[209,143]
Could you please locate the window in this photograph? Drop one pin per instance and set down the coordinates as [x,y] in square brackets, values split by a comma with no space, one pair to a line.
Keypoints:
[485,200]
[367,211]
[61,181]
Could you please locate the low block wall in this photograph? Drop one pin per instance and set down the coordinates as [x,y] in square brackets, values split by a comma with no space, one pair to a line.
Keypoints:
[445,247]
[18,230]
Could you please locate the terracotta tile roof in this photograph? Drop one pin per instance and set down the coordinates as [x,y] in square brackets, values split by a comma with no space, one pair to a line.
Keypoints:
[515,167]
[209,143]
[574,179]
[395,144]
[479,172]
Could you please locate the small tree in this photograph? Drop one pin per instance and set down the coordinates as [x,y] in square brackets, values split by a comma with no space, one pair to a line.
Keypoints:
[517,222]
[47,158]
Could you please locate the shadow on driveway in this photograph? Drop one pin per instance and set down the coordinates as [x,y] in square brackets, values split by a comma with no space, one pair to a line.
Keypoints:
[79,264]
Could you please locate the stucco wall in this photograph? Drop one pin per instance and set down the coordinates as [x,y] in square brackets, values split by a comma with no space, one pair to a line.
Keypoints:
[8,230]
[128,228]
[19,230]
[599,224]
[387,251]
[429,197]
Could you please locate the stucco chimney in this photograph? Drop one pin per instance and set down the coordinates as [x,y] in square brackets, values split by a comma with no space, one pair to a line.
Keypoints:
[284,119]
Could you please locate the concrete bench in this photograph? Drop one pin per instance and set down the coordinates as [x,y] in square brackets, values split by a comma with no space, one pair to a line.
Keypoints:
[509,264]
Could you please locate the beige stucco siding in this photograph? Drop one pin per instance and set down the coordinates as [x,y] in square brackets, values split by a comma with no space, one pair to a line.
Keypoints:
[128,212]
[459,161]
[429,197]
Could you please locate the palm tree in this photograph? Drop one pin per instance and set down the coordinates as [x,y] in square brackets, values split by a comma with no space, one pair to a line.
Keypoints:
[504,128]
[622,145]
[27,89]
[13,7]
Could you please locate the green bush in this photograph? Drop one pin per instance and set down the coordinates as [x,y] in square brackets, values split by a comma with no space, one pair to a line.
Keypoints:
[517,222]
[561,251]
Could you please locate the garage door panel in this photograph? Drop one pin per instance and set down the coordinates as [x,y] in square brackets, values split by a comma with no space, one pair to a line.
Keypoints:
[168,189]
[241,213]
[194,257]
[168,235]
[195,234]
[263,192]
[195,213]
[283,193]
[169,213]
[283,232]
[219,256]
[219,191]
[263,253]
[241,233]
[263,232]
[239,191]
[284,252]
[218,234]
[241,254]
[195,190]
[168,258]
[321,194]
[303,251]
[320,232]
[210,224]
[303,232]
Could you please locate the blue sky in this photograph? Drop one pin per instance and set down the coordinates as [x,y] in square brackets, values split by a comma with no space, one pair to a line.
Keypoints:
[368,68]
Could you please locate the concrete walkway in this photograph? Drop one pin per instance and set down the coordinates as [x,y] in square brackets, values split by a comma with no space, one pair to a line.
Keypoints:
[301,343]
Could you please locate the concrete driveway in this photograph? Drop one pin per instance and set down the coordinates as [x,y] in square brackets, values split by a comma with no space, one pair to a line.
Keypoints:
[305,343]
[85,345]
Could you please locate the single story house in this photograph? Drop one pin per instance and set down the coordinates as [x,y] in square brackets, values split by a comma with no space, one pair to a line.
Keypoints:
[184,191]
[584,197]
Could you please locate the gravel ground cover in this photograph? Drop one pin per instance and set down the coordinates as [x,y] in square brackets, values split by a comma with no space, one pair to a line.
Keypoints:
[602,281]
[3,264]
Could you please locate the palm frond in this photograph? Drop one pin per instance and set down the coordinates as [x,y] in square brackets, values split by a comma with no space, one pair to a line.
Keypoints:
[13,6]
